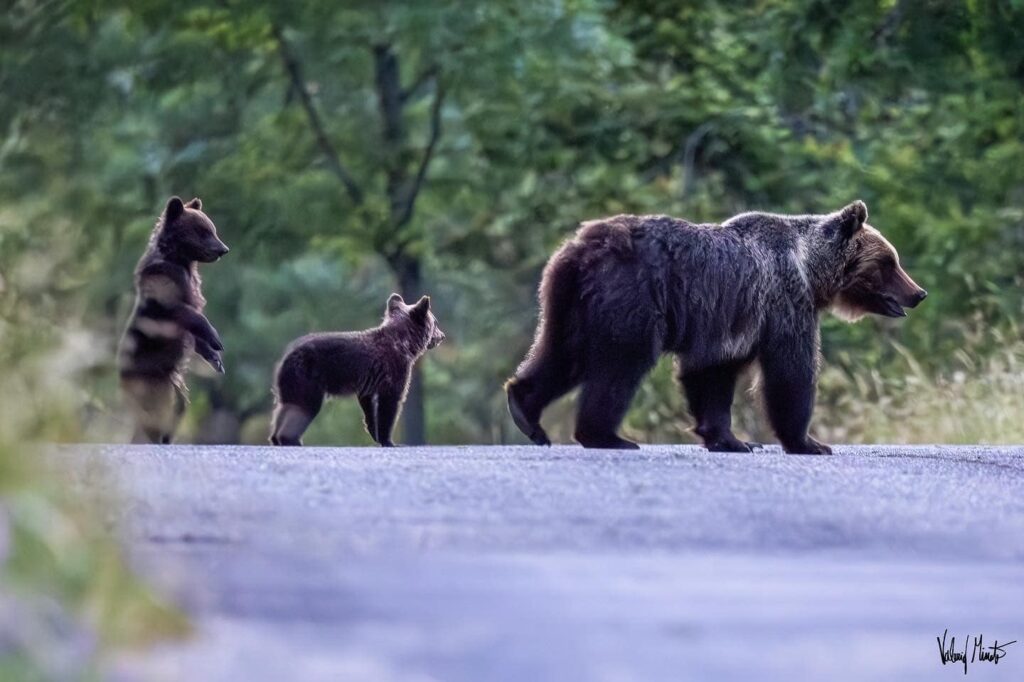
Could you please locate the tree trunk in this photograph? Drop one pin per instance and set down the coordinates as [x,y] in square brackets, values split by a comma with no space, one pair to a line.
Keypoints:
[414,426]
[405,266]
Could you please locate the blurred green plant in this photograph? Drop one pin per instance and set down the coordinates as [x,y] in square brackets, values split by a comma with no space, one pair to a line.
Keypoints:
[68,599]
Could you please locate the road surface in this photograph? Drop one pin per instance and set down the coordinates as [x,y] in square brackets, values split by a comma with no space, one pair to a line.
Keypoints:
[525,563]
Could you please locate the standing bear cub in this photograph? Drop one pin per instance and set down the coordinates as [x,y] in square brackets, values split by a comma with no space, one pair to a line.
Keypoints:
[168,322]
[375,365]
[627,289]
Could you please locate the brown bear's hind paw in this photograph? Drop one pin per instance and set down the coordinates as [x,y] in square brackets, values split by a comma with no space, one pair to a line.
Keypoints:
[531,429]
[605,442]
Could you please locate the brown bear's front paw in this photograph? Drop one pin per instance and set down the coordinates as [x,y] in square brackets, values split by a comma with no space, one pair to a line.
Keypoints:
[823,449]
[809,447]
[726,444]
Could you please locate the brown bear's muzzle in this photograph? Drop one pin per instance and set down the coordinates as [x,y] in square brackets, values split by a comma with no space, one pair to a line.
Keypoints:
[906,292]
[916,298]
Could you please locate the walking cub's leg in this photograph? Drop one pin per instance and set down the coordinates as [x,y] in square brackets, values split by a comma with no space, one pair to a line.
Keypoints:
[290,422]
[369,405]
[389,404]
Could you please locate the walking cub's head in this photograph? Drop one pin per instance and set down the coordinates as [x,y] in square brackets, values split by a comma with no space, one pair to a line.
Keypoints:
[186,234]
[416,318]
[872,280]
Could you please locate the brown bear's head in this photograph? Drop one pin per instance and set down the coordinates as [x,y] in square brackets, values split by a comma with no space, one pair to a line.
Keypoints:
[187,235]
[872,280]
[419,314]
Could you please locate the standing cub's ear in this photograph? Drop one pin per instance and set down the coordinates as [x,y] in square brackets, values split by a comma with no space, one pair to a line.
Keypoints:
[852,218]
[196,204]
[420,310]
[174,209]
[395,302]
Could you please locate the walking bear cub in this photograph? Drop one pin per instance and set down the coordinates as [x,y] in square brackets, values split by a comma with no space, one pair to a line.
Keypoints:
[375,365]
[168,321]
[626,289]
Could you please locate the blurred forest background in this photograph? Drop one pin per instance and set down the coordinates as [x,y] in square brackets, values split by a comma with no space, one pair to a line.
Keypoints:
[349,149]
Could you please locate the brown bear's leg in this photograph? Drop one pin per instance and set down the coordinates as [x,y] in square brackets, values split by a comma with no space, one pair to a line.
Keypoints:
[368,403]
[156,405]
[290,422]
[604,401]
[180,403]
[709,393]
[536,385]
[389,404]
[788,375]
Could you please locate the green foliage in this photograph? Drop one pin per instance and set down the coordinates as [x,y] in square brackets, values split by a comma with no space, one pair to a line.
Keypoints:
[527,118]
[67,590]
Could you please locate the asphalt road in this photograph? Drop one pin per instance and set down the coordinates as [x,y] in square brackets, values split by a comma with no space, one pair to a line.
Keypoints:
[523,563]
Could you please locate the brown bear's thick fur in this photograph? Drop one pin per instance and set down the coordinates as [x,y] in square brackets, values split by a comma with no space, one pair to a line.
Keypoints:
[168,320]
[375,365]
[627,289]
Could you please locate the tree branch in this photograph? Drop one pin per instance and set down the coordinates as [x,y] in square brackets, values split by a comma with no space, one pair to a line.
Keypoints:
[428,155]
[421,80]
[298,84]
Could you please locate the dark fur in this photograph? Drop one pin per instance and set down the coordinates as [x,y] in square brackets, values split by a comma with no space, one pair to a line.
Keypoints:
[168,320]
[375,365]
[627,289]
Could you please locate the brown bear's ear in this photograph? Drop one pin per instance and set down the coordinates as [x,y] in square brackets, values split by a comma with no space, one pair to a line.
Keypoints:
[852,218]
[173,209]
[395,301]
[420,310]
[196,204]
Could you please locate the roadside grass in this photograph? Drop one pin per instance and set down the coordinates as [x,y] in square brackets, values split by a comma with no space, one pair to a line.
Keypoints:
[68,598]
[976,398]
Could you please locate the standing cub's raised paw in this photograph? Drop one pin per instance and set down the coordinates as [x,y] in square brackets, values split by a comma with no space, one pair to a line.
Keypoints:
[375,365]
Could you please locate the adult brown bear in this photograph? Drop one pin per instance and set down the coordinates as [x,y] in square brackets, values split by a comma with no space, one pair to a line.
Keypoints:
[626,289]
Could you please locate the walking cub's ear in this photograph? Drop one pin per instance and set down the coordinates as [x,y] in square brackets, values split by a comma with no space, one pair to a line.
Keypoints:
[395,302]
[420,310]
[196,204]
[174,209]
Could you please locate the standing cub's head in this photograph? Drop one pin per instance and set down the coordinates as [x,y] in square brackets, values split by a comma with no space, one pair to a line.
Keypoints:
[872,280]
[186,234]
[417,317]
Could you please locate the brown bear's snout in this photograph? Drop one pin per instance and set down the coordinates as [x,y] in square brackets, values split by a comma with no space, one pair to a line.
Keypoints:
[906,291]
[218,250]
[436,338]
[916,298]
